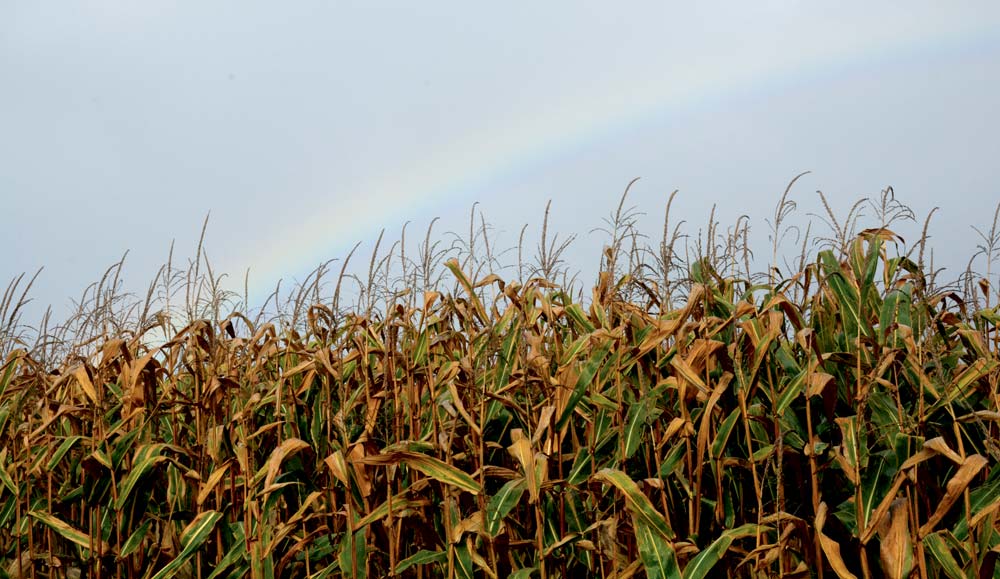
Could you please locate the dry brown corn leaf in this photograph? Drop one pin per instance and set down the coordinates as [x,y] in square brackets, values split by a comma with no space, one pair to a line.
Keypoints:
[956,486]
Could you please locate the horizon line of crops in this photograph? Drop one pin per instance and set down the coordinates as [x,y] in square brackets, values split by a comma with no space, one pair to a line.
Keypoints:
[840,421]
[182,292]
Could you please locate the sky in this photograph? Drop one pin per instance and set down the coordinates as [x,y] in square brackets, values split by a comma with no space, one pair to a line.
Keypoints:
[305,127]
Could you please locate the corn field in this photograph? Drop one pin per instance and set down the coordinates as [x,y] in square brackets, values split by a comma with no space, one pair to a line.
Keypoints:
[837,421]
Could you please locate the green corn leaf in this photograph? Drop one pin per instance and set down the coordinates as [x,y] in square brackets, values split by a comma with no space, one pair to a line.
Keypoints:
[428,465]
[725,429]
[327,571]
[635,424]
[984,498]
[851,447]
[847,296]
[134,540]
[579,317]
[895,310]
[791,392]
[703,562]
[463,561]
[658,556]
[5,478]
[508,355]
[574,349]
[4,416]
[866,263]
[8,372]
[60,452]
[874,484]
[581,469]
[146,457]
[192,538]
[636,501]
[420,353]
[423,557]
[959,388]
[441,471]
[399,502]
[502,503]
[938,547]
[242,570]
[353,559]
[237,554]
[672,459]
[763,452]
[66,530]
[583,381]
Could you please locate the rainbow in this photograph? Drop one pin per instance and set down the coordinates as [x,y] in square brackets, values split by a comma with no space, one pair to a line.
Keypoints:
[474,160]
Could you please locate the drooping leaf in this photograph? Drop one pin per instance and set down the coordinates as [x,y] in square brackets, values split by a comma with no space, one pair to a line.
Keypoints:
[895,545]
[278,456]
[956,486]
[637,503]
[831,549]
[428,465]
[68,531]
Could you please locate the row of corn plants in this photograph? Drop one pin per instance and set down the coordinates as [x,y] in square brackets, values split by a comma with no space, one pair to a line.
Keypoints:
[839,422]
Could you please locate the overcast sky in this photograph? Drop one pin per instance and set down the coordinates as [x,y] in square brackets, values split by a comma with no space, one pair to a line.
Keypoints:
[307,126]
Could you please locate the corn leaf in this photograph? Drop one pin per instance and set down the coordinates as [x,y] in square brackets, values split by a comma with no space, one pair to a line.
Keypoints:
[657,554]
[502,503]
[703,562]
[584,380]
[68,531]
[637,503]
[424,557]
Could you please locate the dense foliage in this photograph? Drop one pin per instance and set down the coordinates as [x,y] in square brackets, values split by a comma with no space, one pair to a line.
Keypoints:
[841,421]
